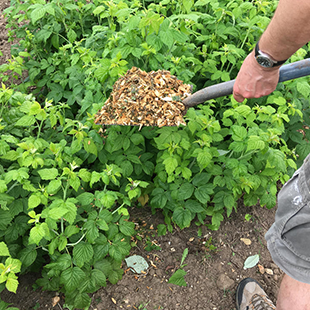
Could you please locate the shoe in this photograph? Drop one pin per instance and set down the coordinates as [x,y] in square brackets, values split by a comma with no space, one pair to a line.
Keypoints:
[251,296]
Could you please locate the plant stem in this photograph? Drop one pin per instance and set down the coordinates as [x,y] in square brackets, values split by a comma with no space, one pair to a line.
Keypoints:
[15,184]
[118,208]
[73,244]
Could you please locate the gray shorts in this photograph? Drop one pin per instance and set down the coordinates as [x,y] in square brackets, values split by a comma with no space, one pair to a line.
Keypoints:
[288,239]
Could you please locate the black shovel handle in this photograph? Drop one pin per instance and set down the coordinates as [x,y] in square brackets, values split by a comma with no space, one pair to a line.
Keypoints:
[287,72]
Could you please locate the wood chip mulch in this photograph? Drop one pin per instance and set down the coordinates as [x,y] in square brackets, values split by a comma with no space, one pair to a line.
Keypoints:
[145,99]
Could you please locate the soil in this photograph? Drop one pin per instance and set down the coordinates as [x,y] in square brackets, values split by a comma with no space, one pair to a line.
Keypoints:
[214,264]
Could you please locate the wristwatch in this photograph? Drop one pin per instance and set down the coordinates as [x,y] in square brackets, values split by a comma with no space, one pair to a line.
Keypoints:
[264,60]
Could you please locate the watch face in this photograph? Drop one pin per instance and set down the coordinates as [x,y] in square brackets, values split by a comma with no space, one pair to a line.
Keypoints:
[264,61]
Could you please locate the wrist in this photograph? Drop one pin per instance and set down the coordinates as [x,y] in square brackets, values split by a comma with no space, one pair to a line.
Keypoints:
[265,60]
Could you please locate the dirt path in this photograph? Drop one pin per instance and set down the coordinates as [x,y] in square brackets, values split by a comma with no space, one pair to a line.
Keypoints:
[214,263]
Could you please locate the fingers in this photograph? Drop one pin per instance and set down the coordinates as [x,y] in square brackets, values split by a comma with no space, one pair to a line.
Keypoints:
[238,97]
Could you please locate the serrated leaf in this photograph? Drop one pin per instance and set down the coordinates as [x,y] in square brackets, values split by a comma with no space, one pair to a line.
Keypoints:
[82,301]
[15,264]
[72,278]
[37,14]
[255,143]
[82,253]
[3,186]
[85,198]
[251,261]
[38,232]
[304,88]
[92,232]
[127,228]
[53,187]
[26,121]
[11,283]
[185,191]
[182,217]
[202,194]
[28,255]
[48,174]
[33,201]
[4,251]
[161,229]
[239,133]
[194,206]
[171,164]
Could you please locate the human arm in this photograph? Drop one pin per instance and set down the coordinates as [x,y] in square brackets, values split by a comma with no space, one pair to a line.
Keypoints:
[288,31]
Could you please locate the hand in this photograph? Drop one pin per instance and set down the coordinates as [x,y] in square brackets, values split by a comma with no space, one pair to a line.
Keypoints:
[254,81]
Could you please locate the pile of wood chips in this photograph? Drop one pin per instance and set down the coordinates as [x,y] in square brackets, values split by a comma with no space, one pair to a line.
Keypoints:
[145,99]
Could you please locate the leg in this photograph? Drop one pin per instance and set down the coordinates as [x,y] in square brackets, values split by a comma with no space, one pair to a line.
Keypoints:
[293,295]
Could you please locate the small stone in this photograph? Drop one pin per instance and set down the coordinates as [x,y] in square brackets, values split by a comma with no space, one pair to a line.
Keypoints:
[276,278]
[269,271]
[224,282]
[246,241]
[261,269]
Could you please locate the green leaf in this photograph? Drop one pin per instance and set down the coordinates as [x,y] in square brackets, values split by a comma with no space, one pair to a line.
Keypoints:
[3,187]
[53,187]
[217,218]
[71,230]
[255,143]
[182,217]
[178,278]
[27,255]
[92,232]
[204,157]
[103,225]
[229,201]
[171,164]
[48,174]
[304,88]
[85,175]
[15,264]
[5,219]
[82,253]
[185,191]
[137,139]
[194,206]
[37,14]
[108,199]
[127,228]
[26,121]
[82,301]
[90,146]
[239,133]
[72,35]
[72,278]
[161,229]
[202,193]
[115,275]
[11,283]
[33,201]
[167,37]
[269,200]
[201,179]
[38,232]
[57,212]
[4,251]
[85,198]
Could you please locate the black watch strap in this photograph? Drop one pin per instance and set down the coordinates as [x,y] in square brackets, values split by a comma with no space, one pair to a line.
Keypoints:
[275,62]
